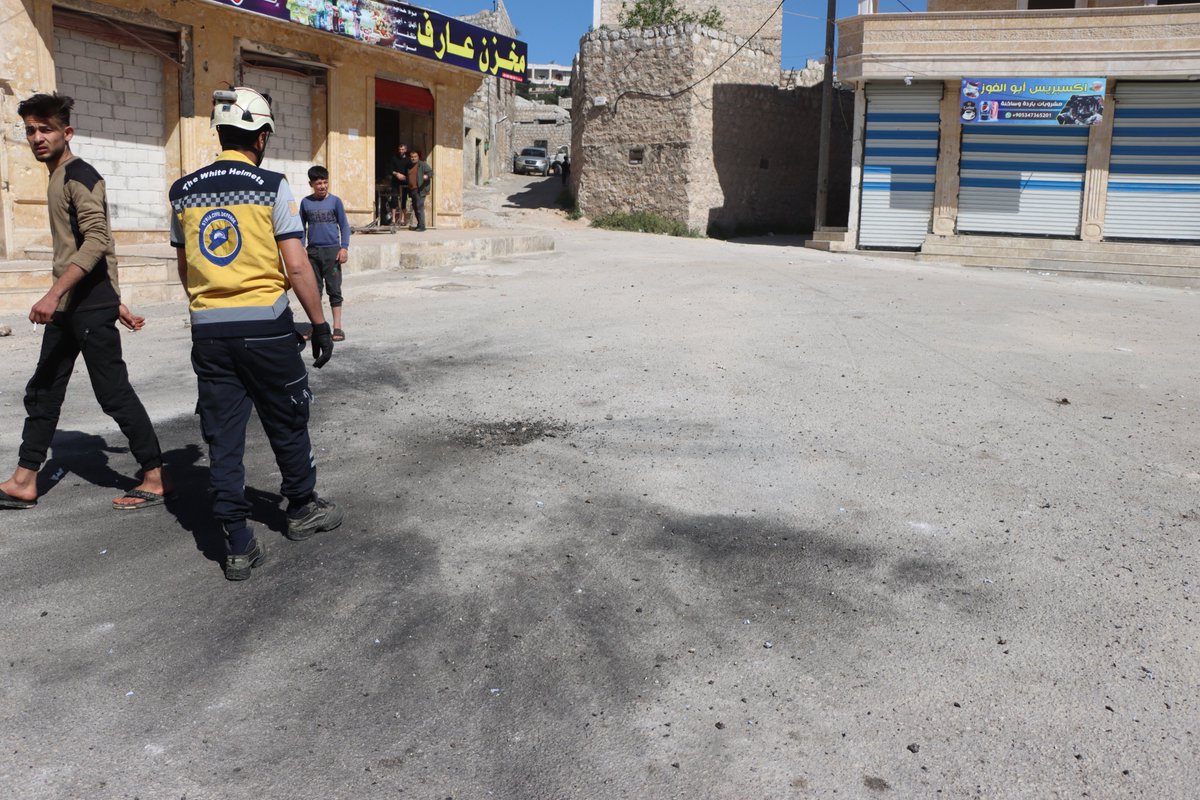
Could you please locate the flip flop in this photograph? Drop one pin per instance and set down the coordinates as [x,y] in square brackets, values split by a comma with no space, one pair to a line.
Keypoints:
[15,503]
[148,499]
[339,335]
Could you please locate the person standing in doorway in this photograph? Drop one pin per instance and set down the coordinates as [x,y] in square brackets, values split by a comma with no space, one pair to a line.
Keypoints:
[232,224]
[327,241]
[398,165]
[80,313]
[420,180]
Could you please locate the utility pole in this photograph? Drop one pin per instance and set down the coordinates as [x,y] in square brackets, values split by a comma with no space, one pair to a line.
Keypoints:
[822,210]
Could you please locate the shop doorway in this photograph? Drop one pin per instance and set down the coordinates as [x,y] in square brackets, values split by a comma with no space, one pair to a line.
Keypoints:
[403,115]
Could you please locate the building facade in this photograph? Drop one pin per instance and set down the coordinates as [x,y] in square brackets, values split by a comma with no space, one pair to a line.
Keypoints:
[936,164]
[549,76]
[695,125]
[349,80]
[487,116]
[538,124]
[761,20]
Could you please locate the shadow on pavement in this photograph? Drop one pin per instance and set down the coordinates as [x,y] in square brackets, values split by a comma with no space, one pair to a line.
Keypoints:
[190,505]
[773,240]
[540,193]
[85,455]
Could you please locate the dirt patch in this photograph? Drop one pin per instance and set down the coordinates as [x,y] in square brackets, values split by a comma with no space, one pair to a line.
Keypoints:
[511,433]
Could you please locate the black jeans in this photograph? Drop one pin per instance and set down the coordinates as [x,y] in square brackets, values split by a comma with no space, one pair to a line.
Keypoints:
[94,334]
[268,374]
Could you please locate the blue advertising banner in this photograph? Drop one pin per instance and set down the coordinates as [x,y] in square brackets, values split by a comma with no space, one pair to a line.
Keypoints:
[405,29]
[1032,101]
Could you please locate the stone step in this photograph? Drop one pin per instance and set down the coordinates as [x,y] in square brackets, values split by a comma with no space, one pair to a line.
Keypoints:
[1046,245]
[1161,264]
[1099,256]
[1156,275]
[829,235]
[407,251]
[148,275]
[37,274]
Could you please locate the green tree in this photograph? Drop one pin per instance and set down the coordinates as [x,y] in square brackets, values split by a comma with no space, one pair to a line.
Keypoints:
[648,13]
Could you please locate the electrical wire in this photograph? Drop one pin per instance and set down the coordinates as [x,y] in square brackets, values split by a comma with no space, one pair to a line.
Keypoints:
[694,84]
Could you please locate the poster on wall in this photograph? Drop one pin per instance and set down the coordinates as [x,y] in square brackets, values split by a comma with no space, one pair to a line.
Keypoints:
[1031,101]
[405,29]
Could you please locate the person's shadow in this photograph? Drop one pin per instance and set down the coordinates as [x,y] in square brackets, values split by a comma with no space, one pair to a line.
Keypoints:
[191,503]
[85,455]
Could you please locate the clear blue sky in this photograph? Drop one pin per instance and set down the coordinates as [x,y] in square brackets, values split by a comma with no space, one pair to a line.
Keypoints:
[552,29]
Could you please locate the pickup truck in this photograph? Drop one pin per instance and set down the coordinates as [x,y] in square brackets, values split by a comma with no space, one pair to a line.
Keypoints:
[532,159]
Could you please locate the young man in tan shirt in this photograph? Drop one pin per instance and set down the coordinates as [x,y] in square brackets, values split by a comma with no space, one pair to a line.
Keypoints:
[80,313]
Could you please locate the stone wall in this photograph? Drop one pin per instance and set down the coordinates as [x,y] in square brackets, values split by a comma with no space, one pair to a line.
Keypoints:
[487,113]
[742,19]
[690,123]
[535,123]
[765,145]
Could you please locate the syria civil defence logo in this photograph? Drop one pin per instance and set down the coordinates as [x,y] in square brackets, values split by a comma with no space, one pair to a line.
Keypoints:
[220,237]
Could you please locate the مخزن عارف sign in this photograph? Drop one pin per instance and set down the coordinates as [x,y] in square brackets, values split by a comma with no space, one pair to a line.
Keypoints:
[1031,101]
[404,29]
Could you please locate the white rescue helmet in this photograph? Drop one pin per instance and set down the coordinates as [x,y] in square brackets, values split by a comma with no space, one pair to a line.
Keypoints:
[242,107]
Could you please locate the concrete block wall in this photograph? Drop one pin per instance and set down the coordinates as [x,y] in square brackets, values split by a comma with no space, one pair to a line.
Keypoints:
[290,150]
[118,120]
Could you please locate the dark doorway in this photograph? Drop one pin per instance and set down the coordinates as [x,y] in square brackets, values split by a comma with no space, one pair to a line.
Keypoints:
[403,115]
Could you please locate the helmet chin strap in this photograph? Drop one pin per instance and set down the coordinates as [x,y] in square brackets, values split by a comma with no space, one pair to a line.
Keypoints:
[259,153]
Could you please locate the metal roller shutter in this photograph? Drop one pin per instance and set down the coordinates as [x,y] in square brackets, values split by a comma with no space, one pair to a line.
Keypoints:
[1154,174]
[900,153]
[1021,179]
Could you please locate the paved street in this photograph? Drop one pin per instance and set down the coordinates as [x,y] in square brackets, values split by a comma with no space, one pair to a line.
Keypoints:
[642,518]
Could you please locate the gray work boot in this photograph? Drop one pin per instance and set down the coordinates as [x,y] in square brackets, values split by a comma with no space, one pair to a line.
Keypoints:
[314,517]
[239,565]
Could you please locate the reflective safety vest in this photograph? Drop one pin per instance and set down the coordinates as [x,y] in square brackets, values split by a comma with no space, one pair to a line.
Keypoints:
[228,217]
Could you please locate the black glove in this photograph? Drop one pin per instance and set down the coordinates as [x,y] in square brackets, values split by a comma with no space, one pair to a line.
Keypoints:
[322,343]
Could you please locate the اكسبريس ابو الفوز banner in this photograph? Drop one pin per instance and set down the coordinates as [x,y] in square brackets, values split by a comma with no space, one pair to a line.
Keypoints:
[1031,101]
[404,29]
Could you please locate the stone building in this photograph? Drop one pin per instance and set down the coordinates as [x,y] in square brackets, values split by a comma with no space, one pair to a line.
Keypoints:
[941,169]
[487,130]
[541,125]
[760,19]
[350,80]
[692,124]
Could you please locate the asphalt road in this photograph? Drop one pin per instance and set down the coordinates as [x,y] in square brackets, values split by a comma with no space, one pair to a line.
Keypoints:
[644,518]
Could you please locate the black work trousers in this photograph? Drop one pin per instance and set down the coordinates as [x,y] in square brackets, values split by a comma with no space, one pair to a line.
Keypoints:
[94,334]
[266,374]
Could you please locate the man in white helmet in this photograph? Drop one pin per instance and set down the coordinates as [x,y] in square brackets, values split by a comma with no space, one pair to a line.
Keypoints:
[239,246]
